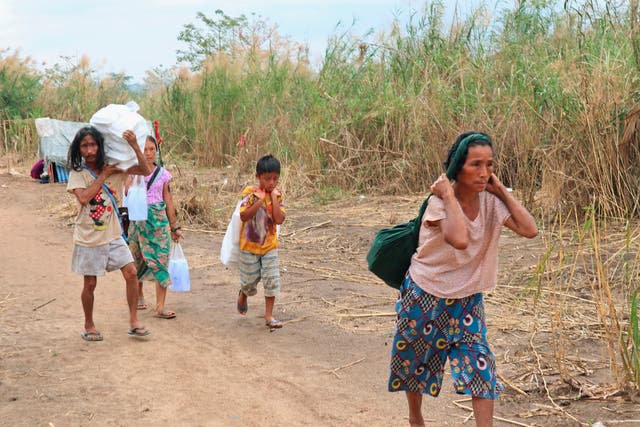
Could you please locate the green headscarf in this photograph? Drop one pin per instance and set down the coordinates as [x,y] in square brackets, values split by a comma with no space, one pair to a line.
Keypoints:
[454,168]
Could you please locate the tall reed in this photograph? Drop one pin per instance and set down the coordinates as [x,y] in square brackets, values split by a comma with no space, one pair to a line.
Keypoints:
[588,278]
[74,91]
[553,87]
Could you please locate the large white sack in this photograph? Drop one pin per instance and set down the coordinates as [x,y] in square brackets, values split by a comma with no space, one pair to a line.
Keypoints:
[112,121]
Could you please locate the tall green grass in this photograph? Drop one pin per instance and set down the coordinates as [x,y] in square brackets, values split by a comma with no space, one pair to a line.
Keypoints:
[552,86]
[74,90]
[19,86]
[555,88]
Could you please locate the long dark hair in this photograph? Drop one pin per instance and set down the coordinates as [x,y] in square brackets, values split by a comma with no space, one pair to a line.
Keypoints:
[74,158]
[458,151]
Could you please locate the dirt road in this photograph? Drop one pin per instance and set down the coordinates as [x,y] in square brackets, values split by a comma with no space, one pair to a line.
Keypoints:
[209,366]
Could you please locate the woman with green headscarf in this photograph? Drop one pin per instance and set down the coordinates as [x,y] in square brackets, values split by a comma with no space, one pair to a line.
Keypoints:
[440,311]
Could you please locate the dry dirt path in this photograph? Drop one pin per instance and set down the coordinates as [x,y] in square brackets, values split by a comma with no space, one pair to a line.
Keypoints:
[212,367]
[208,367]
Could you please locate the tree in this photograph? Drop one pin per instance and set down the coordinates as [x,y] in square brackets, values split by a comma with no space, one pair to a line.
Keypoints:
[218,36]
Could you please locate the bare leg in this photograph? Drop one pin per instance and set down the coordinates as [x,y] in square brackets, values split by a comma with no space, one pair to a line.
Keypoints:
[141,302]
[482,411]
[130,276]
[415,409]
[269,302]
[87,302]
[161,296]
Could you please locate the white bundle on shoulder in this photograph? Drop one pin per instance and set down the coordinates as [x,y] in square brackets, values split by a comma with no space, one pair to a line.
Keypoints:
[112,121]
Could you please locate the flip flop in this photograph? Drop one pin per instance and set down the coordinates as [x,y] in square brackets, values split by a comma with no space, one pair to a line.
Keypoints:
[166,314]
[274,324]
[242,308]
[140,331]
[142,305]
[91,336]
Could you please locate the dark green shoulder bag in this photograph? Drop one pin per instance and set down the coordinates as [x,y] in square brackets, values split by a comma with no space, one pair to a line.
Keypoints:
[390,254]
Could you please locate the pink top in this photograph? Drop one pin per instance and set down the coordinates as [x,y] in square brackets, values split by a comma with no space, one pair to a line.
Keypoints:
[154,194]
[446,272]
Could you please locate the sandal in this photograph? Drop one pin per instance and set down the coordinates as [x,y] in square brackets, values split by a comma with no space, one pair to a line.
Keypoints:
[242,308]
[140,331]
[166,314]
[142,305]
[91,336]
[274,324]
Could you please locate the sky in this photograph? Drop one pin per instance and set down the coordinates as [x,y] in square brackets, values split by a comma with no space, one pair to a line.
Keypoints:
[133,36]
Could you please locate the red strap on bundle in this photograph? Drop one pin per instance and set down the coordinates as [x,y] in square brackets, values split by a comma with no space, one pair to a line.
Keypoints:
[157,132]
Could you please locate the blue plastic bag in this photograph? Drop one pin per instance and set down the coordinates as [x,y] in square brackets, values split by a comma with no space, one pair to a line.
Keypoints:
[178,269]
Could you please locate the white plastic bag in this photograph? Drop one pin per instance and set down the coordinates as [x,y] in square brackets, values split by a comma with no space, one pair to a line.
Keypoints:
[136,199]
[230,249]
[112,121]
[178,269]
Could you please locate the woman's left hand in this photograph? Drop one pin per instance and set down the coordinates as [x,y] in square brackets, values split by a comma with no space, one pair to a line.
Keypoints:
[494,185]
[177,235]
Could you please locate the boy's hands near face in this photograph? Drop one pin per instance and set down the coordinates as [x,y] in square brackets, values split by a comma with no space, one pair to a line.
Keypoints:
[260,194]
[275,193]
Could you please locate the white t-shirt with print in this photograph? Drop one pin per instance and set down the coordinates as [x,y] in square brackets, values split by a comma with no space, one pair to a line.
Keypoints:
[97,222]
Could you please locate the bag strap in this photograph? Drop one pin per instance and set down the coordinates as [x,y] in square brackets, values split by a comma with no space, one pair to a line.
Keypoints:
[423,208]
[113,201]
[153,177]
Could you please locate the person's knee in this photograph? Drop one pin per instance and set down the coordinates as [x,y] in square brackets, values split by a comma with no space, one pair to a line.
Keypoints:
[271,287]
[130,273]
[249,286]
[90,283]
[249,291]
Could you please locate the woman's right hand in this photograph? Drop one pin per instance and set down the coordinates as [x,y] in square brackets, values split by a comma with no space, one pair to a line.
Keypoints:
[442,187]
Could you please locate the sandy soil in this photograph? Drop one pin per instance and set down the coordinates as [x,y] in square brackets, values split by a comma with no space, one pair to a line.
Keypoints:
[212,367]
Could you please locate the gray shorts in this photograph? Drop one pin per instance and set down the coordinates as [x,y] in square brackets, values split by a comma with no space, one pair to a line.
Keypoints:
[253,268]
[97,260]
